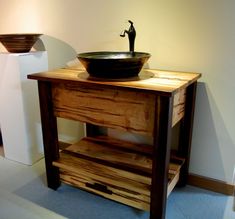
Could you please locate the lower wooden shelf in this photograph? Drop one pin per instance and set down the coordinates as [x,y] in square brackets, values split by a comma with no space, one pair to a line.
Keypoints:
[120,173]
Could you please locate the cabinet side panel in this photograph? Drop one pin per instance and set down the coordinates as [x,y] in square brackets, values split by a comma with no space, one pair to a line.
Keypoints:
[114,108]
[178,106]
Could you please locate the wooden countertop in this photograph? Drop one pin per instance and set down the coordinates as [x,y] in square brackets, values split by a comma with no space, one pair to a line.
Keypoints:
[149,79]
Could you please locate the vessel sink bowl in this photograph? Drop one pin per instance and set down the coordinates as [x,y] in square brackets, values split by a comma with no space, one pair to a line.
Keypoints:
[113,64]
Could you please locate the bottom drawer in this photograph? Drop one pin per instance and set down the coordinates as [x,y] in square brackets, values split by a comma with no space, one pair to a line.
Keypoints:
[119,185]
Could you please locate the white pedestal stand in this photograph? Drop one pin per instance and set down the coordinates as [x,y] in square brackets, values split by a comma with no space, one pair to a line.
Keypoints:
[19,108]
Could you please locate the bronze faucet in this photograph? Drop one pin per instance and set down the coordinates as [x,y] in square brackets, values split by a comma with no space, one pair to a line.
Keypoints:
[131,35]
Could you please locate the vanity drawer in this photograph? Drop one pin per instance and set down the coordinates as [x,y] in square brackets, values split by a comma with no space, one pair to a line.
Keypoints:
[116,184]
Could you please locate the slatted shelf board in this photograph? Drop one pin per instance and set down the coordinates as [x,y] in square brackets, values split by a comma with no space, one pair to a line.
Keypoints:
[113,169]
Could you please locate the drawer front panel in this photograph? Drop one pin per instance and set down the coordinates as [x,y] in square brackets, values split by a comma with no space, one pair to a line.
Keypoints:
[112,192]
[116,184]
[126,110]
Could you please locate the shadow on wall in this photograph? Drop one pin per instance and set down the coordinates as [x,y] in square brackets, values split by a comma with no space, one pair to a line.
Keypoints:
[59,52]
[212,146]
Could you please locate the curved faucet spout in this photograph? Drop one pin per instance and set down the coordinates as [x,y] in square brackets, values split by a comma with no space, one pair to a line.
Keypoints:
[131,35]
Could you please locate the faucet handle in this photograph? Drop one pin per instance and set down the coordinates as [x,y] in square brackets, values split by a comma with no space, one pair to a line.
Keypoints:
[124,33]
[131,32]
[131,35]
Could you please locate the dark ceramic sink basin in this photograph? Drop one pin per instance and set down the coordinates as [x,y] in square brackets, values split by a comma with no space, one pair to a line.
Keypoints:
[113,64]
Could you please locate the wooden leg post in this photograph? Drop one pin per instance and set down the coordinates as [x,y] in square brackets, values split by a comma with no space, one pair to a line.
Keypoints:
[161,156]
[50,135]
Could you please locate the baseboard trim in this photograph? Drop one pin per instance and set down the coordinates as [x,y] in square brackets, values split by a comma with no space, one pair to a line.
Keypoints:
[211,184]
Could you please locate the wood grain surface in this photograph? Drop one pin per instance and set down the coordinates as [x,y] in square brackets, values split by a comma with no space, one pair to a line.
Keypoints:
[113,183]
[125,110]
[149,79]
[178,106]
[123,156]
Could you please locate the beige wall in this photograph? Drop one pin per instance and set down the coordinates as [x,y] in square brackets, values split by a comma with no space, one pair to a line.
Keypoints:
[185,35]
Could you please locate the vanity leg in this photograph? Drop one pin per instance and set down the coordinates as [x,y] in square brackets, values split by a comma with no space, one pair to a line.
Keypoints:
[49,132]
[186,130]
[161,156]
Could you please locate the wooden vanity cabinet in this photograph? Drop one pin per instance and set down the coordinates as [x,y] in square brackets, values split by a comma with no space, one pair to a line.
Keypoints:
[141,176]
